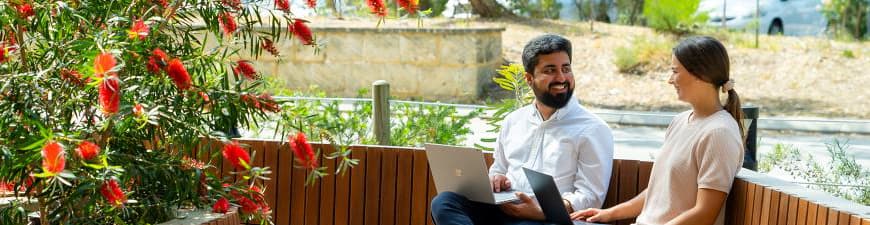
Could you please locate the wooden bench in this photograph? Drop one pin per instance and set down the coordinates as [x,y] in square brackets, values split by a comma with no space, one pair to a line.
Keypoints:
[393,185]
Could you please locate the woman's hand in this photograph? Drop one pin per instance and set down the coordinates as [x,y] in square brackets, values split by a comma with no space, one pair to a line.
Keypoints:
[592,215]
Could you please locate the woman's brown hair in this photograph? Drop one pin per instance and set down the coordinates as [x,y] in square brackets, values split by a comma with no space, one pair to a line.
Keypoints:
[706,58]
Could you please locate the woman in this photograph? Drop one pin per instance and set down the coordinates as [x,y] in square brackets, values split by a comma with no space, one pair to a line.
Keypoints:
[703,148]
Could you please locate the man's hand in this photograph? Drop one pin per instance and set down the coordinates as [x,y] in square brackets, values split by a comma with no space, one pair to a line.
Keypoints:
[500,183]
[527,208]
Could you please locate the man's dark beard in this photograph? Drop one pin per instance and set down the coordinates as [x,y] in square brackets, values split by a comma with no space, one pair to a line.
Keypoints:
[556,101]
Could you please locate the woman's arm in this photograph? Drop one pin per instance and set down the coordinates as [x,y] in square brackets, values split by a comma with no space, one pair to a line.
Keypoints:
[625,210]
[707,206]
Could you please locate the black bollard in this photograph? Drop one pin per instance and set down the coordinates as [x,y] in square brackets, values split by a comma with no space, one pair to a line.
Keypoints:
[750,115]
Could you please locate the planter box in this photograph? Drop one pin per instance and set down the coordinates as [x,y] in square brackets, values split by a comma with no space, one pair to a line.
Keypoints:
[205,216]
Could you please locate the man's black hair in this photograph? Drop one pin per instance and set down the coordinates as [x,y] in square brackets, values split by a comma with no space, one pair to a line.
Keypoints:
[542,45]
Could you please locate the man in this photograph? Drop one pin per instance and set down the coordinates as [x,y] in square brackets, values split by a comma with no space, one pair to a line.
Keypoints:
[553,135]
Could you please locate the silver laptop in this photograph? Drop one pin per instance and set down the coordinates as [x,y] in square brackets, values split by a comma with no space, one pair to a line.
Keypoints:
[462,170]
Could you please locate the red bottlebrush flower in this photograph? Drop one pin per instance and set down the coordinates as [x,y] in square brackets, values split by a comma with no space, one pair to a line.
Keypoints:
[3,52]
[251,100]
[377,7]
[53,158]
[139,29]
[204,96]
[157,61]
[25,10]
[235,4]
[248,206]
[162,3]
[73,77]
[302,32]
[178,74]
[234,153]
[409,5]
[246,69]
[269,46]
[103,64]
[138,110]
[113,194]
[283,5]
[267,103]
[221,206]
[312,3]
[88,150]
[110,95]
[228,23]
[303,152]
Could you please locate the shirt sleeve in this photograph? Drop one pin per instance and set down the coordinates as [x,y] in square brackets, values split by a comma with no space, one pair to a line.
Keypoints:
[719,157]
[594,167]
[499,165]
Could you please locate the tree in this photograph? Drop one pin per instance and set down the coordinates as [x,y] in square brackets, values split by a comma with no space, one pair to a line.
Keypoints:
[103,104]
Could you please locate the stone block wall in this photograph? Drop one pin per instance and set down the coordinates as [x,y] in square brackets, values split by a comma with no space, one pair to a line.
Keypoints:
[446,64]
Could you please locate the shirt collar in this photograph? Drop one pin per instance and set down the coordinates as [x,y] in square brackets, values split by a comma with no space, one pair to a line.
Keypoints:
[559,114]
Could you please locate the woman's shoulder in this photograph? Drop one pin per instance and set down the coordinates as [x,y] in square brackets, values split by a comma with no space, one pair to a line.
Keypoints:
[722,121]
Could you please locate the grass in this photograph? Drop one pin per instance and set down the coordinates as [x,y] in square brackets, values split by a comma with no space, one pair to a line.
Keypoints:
[645,53]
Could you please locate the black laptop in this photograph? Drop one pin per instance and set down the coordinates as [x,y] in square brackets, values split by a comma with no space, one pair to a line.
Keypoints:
[549,198]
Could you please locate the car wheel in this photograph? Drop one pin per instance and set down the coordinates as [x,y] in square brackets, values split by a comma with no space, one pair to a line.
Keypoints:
[775,28]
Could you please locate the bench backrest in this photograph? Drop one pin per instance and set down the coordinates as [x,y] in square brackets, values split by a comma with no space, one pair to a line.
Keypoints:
[393,185]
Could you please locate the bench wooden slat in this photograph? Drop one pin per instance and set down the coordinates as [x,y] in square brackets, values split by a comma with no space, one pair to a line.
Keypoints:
[781,216]
[297,206]
[420,186]
[269,150]
[803,212]
[765,209]
[373,185]
[627,184]
[404,189]
[775,198]
[327,186]
[812,213]
[757,204]
[357,187]
[255,150]
[312,203]
[792,210]
[854,220]
[644,172]
[282,174]
[388,186]
[612,191]
[750,204]
[734,202]
[432,192]
[342,198]
[226,166]
[822,217]
[833,216]
[844,219]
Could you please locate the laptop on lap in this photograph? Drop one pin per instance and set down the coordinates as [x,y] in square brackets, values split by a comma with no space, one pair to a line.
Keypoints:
[463,170]
[549,198]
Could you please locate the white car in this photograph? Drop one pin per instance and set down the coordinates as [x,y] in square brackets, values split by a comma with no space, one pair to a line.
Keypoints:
[789,17]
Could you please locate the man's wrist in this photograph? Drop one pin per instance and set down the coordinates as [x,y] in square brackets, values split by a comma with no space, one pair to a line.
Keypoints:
[568,205]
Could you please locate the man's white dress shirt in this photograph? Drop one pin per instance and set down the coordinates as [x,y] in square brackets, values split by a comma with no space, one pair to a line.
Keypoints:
[574,146]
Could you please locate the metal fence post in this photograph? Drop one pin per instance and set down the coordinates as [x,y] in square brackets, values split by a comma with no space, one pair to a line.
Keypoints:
[750,120]
[381,111]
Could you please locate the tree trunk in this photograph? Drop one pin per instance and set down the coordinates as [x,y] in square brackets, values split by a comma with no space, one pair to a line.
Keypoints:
[489,9]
